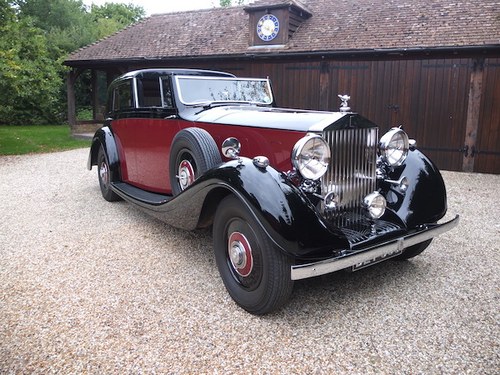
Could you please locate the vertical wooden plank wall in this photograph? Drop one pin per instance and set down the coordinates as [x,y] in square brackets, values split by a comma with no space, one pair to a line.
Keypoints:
[437,101]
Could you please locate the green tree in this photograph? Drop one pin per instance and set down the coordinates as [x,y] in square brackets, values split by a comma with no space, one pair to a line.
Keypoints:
[65,23]
[30,82]
[35,37]
[110,17]
[7,13]
[122,13]
[70,25]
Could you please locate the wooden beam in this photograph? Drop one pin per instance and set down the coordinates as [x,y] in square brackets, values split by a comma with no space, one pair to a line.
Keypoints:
[473,112]
[70,81]
[324,87]
[95,94]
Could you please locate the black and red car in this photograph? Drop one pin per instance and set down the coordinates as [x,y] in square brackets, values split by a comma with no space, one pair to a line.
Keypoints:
[290,194]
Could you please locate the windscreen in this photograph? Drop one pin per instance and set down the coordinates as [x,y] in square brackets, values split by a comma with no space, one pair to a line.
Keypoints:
[198,90]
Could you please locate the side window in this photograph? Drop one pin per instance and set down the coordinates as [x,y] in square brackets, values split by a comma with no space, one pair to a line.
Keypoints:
[122,96]
[166,93]
[148,92]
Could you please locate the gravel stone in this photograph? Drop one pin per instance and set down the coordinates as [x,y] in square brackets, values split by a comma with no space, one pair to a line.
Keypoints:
[88,286]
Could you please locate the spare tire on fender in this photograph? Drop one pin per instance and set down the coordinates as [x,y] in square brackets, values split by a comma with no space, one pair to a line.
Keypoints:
[193,152]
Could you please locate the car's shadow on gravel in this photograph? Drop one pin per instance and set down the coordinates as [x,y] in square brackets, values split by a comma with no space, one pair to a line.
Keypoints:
[344,293]
[326,292]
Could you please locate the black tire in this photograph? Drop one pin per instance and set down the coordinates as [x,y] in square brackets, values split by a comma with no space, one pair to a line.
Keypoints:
[104,176]
[257,277]
[414,250]
[193,152]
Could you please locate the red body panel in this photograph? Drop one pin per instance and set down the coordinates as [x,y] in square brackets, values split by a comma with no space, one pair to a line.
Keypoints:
[144,147]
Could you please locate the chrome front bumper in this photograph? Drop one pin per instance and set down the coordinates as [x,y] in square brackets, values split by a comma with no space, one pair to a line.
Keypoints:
[393,247]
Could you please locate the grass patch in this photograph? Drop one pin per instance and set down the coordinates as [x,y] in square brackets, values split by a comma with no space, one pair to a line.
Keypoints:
[19,140]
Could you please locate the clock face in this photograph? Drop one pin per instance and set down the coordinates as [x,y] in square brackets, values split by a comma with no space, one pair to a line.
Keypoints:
[268,27]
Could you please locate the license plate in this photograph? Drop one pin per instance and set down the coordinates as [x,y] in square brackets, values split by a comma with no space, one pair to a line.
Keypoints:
[376,260]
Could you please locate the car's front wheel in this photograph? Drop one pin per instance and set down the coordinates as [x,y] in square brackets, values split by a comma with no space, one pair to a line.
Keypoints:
[255,272]
[104,175]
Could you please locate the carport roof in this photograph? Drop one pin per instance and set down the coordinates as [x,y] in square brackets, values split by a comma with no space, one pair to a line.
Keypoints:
[334,27]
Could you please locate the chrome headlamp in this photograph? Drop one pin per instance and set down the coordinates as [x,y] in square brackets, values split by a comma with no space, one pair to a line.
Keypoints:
[376,204]
[394,146]
[311,156]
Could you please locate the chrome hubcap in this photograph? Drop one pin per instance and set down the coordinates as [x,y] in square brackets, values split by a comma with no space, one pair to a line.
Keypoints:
[240,254]
[104,173]
[186,174]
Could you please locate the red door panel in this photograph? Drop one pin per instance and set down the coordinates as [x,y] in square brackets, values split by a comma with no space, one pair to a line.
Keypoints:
[145,147]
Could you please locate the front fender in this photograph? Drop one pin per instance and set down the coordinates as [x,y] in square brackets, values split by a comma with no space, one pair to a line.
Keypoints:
[284,212]
[281,209]
[104,137]
[425,199]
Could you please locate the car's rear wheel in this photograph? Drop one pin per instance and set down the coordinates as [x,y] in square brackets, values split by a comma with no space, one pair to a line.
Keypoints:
[104,175]
[255,272]
[193,152]
[414,250]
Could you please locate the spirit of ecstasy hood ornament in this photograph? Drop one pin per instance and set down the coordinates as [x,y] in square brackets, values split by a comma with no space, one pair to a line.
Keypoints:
[345,106]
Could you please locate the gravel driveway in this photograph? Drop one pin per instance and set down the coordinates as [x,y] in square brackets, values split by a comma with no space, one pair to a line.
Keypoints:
[97,287]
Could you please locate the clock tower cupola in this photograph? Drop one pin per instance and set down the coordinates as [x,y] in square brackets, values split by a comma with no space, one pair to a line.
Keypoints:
[273,23]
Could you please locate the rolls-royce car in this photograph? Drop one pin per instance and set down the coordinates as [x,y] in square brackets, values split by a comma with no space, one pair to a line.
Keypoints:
[289,194]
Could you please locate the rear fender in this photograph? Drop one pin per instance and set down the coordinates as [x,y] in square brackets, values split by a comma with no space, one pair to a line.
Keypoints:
[104,137]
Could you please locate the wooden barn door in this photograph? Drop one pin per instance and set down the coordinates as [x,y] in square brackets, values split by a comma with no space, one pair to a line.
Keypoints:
[441,93]
[427,97]
[484,152]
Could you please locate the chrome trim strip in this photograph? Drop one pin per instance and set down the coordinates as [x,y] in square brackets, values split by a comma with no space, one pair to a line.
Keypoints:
[305,271]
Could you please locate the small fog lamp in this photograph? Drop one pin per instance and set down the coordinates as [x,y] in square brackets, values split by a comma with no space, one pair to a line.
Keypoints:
[375,203]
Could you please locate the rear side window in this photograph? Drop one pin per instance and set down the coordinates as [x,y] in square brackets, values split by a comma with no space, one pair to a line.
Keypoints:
[122,96]
[149,92]
[154,92]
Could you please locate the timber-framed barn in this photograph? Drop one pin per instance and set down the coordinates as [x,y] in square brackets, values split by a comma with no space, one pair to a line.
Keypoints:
[432,66]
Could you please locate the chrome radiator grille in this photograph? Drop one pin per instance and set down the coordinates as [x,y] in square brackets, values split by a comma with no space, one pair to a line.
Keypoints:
[352,172]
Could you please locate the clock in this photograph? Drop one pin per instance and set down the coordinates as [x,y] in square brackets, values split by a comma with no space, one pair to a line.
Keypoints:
[268,27]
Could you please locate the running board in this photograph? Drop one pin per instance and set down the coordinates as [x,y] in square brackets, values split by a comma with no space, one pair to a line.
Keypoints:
[128,192]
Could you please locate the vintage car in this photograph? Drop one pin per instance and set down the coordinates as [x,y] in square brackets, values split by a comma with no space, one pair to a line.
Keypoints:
[289,194]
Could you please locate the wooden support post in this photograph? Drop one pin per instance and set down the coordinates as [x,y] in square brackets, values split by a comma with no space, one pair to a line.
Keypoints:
[95,95]
[473,112]
[70,81]
[324,87]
